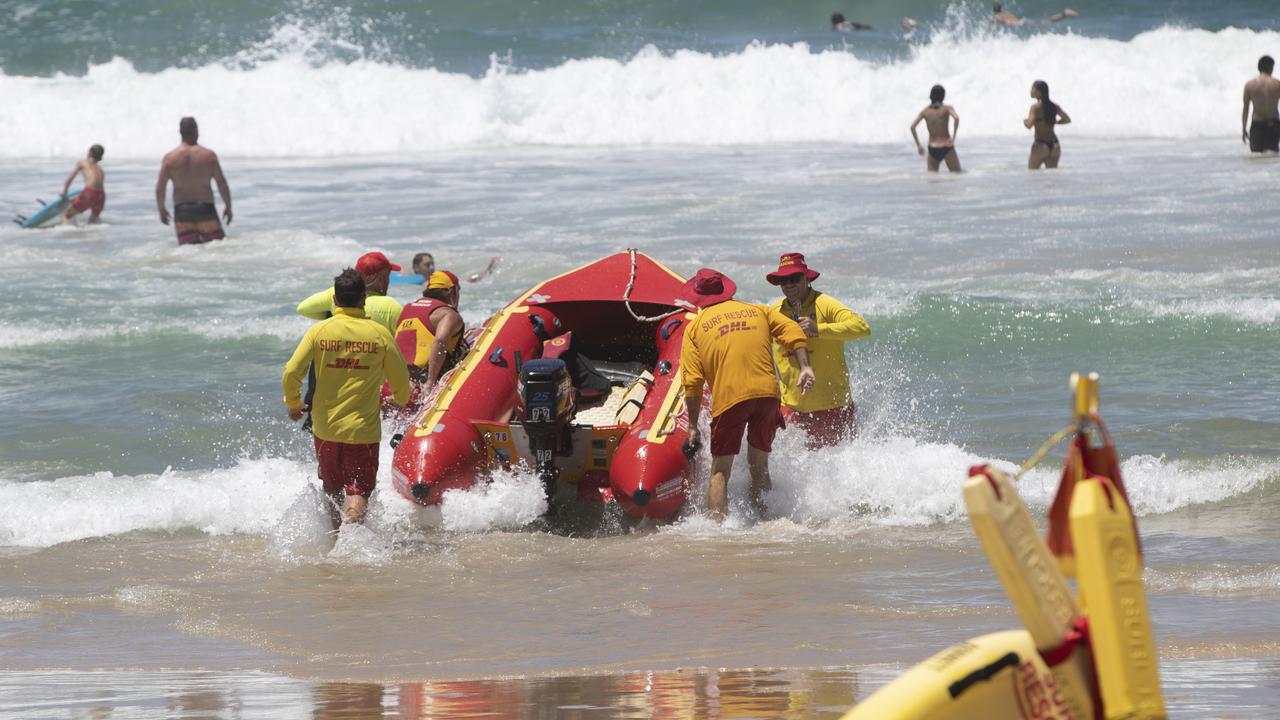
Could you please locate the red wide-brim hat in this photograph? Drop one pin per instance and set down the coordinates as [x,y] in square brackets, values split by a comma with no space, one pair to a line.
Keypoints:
[791,264]
[707,288]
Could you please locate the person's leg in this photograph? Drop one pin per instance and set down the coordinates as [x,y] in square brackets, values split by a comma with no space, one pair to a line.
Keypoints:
[329,470]
[360,472]
[761,428]
[98,204]
[953,161]
[718,488]
[1051,160]
[932,162]
[353,508]
[758,461]
[1038,154]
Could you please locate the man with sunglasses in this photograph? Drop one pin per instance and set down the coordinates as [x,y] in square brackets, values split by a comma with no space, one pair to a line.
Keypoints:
[827,412]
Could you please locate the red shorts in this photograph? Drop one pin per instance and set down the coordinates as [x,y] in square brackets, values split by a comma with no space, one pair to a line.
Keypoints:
[89,199]
[347,468]
[825,427]
[758,415]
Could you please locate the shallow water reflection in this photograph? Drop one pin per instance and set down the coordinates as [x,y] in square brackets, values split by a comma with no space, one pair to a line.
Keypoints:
[1193,689]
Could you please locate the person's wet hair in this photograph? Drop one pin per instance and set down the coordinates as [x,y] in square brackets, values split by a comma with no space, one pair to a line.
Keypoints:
[188,129]
[996,7]
[348,289]
[1050,108]
[1266,64]
[836,18]
[937,94]
[95,152]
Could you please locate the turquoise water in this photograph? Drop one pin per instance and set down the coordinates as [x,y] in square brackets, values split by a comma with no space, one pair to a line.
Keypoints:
[153,484]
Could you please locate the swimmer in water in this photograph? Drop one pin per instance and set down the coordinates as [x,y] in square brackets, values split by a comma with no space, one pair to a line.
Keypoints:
[942,140]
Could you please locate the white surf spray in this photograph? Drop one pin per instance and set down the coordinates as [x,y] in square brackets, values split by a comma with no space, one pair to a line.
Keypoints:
[283,101]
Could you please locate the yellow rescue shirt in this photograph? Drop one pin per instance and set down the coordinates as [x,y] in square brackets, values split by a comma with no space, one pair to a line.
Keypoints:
[837,325]
[378,307]
[727,345]
[353,356]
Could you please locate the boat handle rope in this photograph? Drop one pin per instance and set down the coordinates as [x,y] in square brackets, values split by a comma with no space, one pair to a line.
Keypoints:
[626,295]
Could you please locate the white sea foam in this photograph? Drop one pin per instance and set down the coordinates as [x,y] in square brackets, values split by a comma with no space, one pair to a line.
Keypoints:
[888,481]
[284,103]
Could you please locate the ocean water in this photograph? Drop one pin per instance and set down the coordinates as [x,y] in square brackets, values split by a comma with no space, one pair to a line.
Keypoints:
[163,552]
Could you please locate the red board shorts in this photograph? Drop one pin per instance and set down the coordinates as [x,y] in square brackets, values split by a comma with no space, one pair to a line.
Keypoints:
[759,416]
[89,199]
[347,468]
[824,427]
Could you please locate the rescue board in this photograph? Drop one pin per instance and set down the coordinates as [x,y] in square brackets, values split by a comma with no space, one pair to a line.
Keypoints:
[48,214]
[398,279]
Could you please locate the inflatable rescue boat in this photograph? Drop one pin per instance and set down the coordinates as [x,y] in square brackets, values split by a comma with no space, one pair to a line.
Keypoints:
[578,380]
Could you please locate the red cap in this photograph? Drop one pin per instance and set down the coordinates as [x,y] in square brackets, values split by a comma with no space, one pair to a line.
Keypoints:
[707,288]
[791,264]
[372,263]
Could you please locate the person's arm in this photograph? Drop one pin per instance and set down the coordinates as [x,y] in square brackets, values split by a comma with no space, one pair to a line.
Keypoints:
[317,307]
[837,322]
[162,186]
[955,129]
[786,331]
[1244,118]
[449,325]
[1063,117]
[493,263]
[396,370]
[1031,117]
[74,172]
[294,371]
[805,380]
[223,189]
[914,136]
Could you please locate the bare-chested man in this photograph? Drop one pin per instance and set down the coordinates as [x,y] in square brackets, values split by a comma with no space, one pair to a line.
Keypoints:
[1264,92]
[942,142]
[92,196]
[191,166]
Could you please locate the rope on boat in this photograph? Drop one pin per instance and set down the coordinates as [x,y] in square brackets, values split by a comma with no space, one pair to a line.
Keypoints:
[626,295]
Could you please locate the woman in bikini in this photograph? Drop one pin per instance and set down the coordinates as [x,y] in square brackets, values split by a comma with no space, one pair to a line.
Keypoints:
[942,140]
[1044,114]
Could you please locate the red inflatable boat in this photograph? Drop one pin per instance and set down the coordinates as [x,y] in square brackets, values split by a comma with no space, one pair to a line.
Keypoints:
[578,379]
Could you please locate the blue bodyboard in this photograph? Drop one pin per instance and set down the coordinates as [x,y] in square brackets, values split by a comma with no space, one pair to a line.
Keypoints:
[50,213]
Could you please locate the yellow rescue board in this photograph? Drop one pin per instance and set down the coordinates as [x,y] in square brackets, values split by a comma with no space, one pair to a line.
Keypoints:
[993,677]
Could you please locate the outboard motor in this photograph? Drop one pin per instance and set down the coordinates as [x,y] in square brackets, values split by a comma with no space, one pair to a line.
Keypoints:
[547,401]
